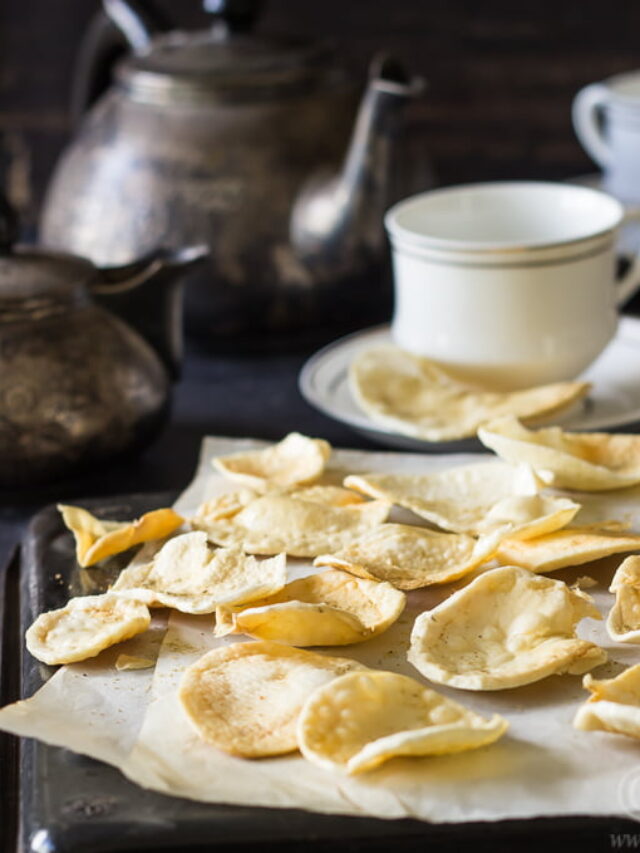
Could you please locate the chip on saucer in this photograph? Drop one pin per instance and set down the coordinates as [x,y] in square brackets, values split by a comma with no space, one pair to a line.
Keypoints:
[414,396]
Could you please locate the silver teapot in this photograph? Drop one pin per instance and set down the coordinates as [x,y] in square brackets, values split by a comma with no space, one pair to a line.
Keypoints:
[253,145]
[78,385]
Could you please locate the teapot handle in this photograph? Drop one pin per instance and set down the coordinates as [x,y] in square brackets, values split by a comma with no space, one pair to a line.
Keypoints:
[113,31]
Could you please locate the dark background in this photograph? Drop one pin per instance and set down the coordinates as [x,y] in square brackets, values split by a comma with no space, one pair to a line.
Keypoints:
[501,75]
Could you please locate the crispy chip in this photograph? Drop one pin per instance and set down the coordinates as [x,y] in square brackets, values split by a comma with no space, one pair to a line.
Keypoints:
[614,705]
[130,662]
[361,719]
[569,547]
[486,497]
[414,396]
[329,609]
[284,523]
[190,576]
[84,627]
[245,699]
[506,628]
[623,622]
[410,557]
[96,539]
[292,462]
[586,461]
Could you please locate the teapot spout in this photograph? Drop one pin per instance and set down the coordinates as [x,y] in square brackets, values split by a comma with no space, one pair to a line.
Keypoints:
[147,294]
[337,216]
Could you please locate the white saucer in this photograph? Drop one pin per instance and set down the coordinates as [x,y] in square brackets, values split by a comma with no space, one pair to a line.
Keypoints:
[613,403]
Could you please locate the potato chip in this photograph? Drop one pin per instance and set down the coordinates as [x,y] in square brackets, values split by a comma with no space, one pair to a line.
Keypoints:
[361,719]
[410,557]
[132,662]
[292,462]
[571,546]
[283,523]
[245,699]
[97,539]
[623,622]
[190,576]
[413,396]
[588,461]
[506,628]
[485,497]
[84,627]
[614,705]
[329,609]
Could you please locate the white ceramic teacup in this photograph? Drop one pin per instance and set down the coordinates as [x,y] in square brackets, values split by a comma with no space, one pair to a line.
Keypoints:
[507,284]
[606,118]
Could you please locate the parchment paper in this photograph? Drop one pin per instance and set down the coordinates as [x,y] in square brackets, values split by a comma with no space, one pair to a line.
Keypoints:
[541,767]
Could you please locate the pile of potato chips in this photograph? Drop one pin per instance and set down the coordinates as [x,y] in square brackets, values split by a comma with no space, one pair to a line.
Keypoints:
[487,533]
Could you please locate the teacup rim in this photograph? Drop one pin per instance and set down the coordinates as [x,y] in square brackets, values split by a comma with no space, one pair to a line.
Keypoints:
[402,233]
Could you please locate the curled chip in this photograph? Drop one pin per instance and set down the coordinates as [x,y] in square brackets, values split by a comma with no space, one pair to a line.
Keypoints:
[614,705]
[292,462]
[97,539]
[285,523]
[410,557]
[329,609]
[245,699]
[190,576]
[414,396]
[486,497]
[586,461]
[506,628]
[358,721]
[84,627]
[572,546]
[623,622]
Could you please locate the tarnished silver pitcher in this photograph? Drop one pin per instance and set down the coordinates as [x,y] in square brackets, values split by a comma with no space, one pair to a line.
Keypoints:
[77,384]
[252,145]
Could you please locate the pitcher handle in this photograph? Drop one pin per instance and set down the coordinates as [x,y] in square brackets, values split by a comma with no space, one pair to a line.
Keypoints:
[586,113]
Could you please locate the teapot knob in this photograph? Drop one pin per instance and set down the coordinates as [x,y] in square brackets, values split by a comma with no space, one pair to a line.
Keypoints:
[9,226]
[237,16]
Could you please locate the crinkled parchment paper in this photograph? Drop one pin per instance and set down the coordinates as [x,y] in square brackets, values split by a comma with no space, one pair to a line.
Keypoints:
[542,766]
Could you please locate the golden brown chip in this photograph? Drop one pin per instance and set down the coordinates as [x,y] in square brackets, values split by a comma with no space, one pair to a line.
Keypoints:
[245,699]
[588,461]
[361,719]
[410,557]
[485,497]
[283,523]
[571,546]
[414,396]
[190,576]
[131,662]
[614,705]
[506,628]
[84,627]
[329,609]
[96,539]
[292,462]
[623,622]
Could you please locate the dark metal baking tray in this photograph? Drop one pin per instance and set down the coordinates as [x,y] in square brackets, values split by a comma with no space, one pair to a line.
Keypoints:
[56,801]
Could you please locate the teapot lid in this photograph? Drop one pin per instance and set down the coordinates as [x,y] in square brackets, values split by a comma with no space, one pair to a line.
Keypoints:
[226,61]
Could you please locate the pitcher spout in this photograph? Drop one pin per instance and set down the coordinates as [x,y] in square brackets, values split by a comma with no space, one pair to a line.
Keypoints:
[338,215]
[147,294]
